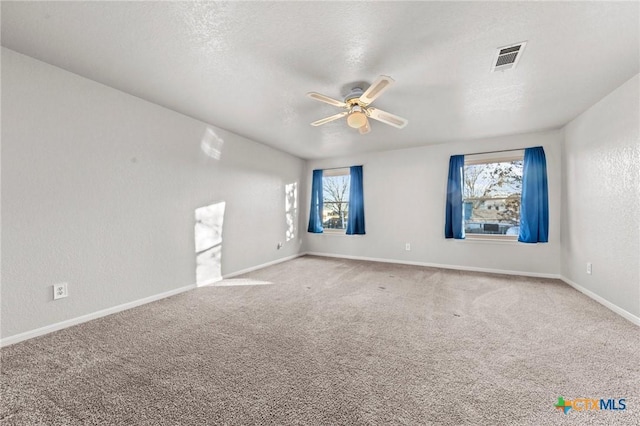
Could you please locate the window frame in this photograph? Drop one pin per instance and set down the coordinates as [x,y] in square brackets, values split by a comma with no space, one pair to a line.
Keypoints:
[488,158]
[335,172]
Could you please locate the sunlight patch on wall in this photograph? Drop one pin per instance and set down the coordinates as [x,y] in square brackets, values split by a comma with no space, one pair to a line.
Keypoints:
[211,144]
[208,242]
[291,209]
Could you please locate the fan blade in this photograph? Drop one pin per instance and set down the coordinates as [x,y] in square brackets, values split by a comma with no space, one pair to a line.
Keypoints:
[326,99]
[377,87]
[328,119]
[365,129]
[387,118]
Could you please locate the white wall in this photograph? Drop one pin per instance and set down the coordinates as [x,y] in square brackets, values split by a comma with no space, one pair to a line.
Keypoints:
[405,192]
[99,190]
[601,202]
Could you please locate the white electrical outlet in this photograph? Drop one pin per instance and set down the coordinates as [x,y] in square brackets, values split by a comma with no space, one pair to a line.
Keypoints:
[407,246]
[279,245]
[589,268]
[60,291]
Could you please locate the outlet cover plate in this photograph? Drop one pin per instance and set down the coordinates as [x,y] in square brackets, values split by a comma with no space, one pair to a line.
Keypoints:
[59,291]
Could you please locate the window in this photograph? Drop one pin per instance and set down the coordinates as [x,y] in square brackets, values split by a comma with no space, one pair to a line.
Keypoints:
[335,195]
[492,189]
[337,201]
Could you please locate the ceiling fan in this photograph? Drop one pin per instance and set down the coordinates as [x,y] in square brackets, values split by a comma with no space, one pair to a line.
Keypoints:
[357,105]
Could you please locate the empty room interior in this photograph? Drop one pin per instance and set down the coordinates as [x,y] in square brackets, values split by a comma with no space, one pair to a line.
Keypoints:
[320,213]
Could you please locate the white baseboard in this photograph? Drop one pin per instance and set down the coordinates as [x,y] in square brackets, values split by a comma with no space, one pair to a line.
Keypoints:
[264,265]
[84,318]
[615,308]
[439,265]
[94,315]
[618,310]
[209,282]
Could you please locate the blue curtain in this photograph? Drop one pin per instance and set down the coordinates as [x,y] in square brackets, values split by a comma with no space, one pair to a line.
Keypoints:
[453,225]
[315,212]
[355,222]
[534,211]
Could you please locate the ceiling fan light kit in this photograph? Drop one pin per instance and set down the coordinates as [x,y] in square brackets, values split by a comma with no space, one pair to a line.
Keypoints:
[357,105]
[356,117]
[365,129]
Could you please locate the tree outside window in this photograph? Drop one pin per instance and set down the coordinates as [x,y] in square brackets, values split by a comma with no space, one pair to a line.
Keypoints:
[336,199]
[492,196]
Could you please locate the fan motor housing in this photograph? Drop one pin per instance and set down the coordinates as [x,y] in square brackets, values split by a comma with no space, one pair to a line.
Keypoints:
[353,96]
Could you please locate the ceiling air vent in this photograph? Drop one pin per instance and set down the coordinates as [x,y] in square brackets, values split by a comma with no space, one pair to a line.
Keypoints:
[507,57]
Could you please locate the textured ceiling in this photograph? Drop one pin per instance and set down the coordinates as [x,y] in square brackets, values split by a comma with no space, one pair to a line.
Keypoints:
[246,66]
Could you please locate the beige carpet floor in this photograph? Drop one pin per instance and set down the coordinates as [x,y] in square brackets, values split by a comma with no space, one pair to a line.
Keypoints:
[334,341]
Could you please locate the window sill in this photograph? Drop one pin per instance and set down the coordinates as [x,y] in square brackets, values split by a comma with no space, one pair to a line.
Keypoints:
[334,233]
[489,240]
[331,233]
[337,233]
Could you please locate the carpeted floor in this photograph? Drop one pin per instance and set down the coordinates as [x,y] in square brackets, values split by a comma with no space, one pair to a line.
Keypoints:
[335,341]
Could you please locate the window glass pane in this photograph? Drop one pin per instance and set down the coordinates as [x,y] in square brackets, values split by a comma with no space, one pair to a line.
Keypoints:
[336,201]
[491,196]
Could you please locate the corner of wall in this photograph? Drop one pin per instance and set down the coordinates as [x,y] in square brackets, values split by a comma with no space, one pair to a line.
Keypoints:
[600,174]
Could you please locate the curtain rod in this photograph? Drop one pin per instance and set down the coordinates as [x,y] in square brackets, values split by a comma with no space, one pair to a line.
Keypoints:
[496,152]
[336,168]
[503,150]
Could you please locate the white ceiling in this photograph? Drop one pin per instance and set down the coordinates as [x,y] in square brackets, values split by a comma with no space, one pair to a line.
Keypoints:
[246,66]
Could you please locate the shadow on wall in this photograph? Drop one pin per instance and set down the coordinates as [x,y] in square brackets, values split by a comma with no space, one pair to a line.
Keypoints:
[208,240]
